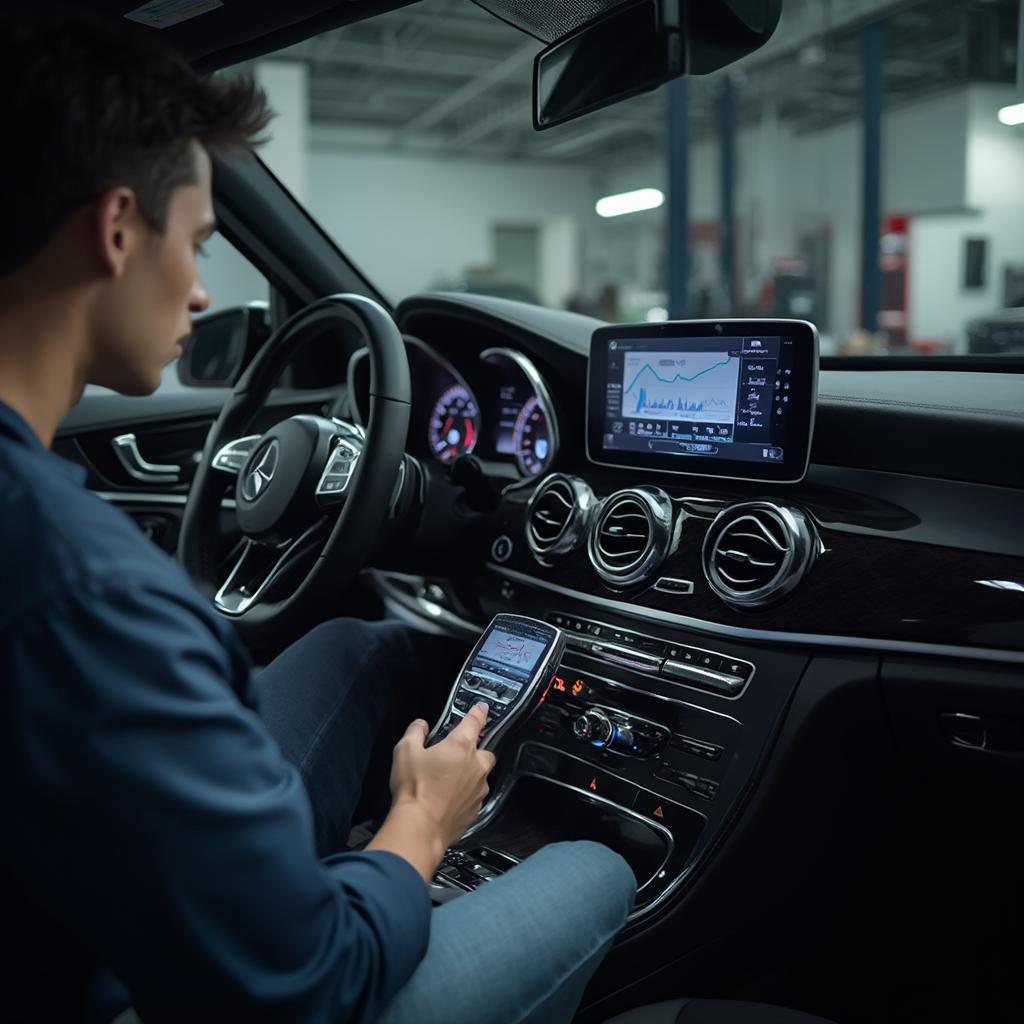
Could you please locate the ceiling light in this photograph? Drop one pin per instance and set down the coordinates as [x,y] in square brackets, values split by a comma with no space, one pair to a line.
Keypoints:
[630,202]
[1013,114]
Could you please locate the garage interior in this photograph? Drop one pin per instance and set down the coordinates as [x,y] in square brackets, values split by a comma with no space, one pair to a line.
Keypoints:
[853,172]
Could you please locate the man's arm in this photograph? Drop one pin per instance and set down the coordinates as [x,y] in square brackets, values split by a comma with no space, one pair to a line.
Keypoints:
[154,815]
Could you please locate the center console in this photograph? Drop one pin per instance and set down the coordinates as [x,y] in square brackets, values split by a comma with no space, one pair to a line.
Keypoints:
[640,740]
[643,734]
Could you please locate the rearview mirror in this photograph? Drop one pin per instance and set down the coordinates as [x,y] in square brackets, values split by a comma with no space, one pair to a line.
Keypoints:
[222,344]
[640,45]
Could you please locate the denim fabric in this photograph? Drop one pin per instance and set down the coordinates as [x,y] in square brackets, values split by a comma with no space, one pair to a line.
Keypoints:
[519,950]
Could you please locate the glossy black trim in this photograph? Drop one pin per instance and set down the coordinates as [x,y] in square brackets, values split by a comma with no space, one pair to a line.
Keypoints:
[973,364]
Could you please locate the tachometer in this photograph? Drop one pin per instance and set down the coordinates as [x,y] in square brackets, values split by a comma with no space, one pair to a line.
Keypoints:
[454,424]
[532,439]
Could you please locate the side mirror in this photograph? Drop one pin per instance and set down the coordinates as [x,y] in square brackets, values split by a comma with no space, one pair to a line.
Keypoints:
[222,344]
[640,45]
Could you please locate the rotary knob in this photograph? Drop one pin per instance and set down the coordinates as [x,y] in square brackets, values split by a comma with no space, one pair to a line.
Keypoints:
[593,726]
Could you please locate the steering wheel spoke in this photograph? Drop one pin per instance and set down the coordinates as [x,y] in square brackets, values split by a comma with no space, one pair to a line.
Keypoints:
[234,455]
[259,566]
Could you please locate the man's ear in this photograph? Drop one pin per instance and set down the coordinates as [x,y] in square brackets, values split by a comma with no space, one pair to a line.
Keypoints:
[117,228]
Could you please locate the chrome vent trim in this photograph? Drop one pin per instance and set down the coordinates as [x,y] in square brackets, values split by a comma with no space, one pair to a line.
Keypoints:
[631,535]
[557,517]
[757,552]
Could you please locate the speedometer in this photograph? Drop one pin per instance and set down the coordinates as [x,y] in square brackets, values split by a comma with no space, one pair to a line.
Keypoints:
[532,439]
[454,424]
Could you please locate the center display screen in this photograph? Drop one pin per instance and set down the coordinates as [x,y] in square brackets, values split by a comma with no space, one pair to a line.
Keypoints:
[731,398]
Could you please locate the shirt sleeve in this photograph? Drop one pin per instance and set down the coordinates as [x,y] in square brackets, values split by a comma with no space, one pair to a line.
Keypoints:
[153,813]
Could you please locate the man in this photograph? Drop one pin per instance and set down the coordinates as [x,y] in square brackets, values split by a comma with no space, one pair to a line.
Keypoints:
[161,839]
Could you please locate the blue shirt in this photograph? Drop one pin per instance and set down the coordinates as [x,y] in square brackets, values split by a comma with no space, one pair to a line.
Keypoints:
[153,831]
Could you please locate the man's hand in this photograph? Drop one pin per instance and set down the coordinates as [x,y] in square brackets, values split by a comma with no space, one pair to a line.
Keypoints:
[436,791]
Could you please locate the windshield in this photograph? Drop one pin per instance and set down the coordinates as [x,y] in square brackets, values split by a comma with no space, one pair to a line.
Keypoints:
[857,171]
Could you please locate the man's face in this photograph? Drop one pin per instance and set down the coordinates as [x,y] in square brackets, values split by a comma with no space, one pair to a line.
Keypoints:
[145,309]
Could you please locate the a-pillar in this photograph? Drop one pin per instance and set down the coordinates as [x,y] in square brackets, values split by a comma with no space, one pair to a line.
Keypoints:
[678,178]
[871,226]
[727,189]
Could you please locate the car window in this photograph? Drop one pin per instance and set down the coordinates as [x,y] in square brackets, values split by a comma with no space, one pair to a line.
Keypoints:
[230,280]
[414,135]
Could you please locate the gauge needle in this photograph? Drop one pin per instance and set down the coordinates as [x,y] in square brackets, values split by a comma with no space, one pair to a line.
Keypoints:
[468,434]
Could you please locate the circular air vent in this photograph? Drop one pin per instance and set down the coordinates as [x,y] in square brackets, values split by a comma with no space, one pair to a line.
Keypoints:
[631,535]
[757,552]
[557,517]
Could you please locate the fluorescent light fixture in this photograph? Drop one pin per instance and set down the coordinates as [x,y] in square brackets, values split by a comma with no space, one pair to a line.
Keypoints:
[630,202]
[1013,114]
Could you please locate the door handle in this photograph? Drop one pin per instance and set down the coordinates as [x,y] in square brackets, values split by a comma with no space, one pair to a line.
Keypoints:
[127,450]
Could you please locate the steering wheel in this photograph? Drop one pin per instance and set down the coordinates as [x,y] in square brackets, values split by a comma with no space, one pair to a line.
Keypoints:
[308,484]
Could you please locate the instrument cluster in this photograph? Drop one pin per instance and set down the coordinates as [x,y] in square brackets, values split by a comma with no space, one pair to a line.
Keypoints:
[498,407]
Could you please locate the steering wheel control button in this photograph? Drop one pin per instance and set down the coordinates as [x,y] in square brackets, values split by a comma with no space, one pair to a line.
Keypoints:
[339,469]
[501,549]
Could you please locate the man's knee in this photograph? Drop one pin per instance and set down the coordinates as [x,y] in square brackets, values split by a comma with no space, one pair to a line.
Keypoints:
[352,641]
[596,869]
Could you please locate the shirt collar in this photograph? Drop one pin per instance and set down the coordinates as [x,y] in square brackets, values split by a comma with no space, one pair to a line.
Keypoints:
[13,425]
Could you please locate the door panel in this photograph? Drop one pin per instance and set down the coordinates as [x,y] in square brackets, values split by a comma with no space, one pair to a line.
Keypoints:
[169,429]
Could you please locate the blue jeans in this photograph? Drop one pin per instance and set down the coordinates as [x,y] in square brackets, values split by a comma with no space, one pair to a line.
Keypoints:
[521,948]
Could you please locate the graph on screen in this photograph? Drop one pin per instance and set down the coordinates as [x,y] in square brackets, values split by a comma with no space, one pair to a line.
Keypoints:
[699,387]
[508,649]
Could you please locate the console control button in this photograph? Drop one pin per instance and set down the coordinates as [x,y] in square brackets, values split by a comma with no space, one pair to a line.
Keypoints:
[736,668]
[704,678]
[593,726]
[671,585]
[501,549]
[663,812]
[699,748]
[706,788]
[628,657]
[600,783]
[667,773]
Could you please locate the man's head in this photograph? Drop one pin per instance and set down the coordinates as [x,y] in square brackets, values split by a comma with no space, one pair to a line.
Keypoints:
[106,185]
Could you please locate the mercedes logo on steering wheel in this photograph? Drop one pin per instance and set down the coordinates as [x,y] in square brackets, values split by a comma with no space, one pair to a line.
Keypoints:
[263,466]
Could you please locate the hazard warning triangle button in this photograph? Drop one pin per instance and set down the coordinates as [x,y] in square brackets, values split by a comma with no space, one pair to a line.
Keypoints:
[659,811]
[593,784]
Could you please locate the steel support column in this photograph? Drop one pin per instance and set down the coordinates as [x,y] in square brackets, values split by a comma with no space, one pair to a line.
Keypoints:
[678,177]
[871,274]
[727,185]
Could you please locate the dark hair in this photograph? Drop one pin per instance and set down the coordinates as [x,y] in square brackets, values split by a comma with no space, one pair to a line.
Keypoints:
[88,105]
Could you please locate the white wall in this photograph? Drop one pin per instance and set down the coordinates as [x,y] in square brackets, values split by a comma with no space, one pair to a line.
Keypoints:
[414,223]
[286,149]
[789,184]
[993,209]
